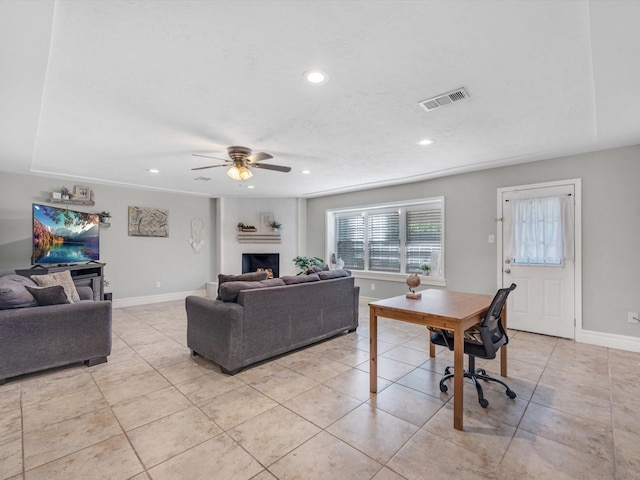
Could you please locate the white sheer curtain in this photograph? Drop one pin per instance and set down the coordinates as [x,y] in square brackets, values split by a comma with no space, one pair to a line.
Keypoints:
[542,230]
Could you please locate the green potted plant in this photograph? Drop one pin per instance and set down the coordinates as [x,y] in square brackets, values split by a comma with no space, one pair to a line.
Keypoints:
[275,225]
[305,263]
[240,226]
[426,268]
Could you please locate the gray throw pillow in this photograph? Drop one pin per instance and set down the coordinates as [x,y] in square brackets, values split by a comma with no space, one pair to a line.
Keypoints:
[245,277]
[53,295]
[334,274]
[13,293]
[59,278]
[229,290]
[300,279]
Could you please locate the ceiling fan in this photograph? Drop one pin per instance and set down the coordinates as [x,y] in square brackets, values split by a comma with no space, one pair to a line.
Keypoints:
[241,159]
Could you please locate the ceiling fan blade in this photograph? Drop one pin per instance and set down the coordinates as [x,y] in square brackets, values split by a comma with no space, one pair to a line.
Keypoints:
[212,166]
[208,156]
[266,166]
[258,156]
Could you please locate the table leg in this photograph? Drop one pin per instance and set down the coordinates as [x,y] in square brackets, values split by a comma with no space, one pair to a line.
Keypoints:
[503,349]
[458,377]
[373,350]
[432,346]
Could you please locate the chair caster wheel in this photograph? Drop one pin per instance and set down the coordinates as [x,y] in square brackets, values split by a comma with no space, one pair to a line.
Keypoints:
[481,371]
[447,371]
[484,403]
[511,394]
[443,388]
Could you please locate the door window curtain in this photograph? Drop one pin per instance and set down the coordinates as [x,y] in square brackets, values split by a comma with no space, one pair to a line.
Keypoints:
[542,230]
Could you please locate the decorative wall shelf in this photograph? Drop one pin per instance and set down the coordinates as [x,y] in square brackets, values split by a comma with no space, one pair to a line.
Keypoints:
[90,203]
[105,224]
[244,237]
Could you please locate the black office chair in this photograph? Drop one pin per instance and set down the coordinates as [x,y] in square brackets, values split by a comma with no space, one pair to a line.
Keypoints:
[482,341]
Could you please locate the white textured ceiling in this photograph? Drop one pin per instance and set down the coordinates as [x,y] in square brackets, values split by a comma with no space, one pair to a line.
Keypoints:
[103,91]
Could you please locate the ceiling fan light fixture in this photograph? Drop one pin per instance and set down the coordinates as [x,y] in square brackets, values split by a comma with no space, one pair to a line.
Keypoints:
[244,173]
[234,173]
[425,141]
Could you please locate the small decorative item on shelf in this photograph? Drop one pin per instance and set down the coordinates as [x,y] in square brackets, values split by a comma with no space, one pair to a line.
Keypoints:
[66,195]
[426,268]
[275,226]
[246,228]
[413,281]
[82,193]
[56,195]
[104,217]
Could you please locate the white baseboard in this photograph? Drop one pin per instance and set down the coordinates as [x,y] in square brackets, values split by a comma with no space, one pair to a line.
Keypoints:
[610,340]
[165,297]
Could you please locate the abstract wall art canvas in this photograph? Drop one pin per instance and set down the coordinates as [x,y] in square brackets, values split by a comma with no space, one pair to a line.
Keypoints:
[148,222]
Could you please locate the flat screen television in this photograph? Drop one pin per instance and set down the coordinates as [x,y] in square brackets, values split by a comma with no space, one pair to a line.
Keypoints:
[64,236]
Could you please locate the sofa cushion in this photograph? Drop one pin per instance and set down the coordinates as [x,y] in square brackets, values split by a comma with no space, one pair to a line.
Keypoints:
[59,278]
[229,290]
[53,295]
[334,274]
[13,293]
[317,269]
[300,279]
[245,277]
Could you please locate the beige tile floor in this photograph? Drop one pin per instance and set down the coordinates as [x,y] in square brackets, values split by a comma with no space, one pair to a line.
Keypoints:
[154,412]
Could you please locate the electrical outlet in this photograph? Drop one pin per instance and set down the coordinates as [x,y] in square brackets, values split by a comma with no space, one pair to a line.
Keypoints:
[492,239]
[373,286]
[632,317]
[157,284]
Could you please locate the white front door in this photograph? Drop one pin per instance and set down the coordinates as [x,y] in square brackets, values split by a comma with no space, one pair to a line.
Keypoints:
[544,301]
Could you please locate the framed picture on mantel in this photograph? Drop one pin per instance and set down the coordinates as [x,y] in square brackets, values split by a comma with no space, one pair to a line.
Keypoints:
[265,221]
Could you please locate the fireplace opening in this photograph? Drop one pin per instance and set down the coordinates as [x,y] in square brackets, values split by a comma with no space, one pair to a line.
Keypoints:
[255,262]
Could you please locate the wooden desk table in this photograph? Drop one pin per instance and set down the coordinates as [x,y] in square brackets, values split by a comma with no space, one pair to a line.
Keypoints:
[453,311]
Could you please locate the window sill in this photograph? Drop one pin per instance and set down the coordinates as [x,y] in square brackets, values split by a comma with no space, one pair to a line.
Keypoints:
[399,277]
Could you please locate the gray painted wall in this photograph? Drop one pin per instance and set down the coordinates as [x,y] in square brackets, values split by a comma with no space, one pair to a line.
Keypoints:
[610,223]
[134,264]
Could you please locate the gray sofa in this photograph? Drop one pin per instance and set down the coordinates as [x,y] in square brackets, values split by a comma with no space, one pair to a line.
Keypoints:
[260,320]
[34,338]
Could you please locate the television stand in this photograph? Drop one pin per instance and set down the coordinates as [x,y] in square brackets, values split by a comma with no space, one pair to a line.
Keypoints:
[83,274]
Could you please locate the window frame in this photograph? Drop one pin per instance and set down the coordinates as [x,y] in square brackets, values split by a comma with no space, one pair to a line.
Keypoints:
[402,207]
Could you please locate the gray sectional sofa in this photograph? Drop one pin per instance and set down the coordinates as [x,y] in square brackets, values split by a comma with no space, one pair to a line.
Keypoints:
[254,321]
[34,337]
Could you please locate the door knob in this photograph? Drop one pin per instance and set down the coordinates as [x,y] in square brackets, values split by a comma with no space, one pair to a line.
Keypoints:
[507,261]
[507,270]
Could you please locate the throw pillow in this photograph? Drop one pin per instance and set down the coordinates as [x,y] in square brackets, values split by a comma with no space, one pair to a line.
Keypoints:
[59,278]
[53,295]
[13,293]
[245,277]
[334,274]
[229,290]
[300,279]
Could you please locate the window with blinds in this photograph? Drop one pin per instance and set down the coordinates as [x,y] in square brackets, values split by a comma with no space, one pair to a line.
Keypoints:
[423,238]
[391,239]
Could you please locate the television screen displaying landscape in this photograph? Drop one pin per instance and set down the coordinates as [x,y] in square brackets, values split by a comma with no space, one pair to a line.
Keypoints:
[64,236]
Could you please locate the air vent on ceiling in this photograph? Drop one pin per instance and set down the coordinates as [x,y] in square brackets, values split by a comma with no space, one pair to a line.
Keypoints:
[444,99]
[202,179]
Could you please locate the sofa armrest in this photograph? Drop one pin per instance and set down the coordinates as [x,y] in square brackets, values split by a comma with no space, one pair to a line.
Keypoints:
[215,330]
[85,293]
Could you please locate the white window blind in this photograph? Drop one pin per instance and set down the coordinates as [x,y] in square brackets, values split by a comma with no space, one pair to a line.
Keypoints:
[350,240]
[384,241]
[423,238]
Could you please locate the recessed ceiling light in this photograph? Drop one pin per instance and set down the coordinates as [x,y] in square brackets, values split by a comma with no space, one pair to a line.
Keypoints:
[250,186]
[306,172]
[153,170]
[316,77]
[426,141]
